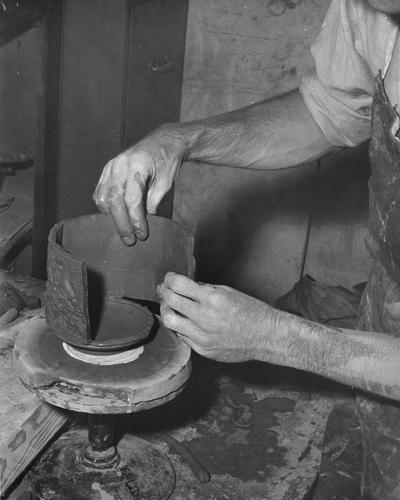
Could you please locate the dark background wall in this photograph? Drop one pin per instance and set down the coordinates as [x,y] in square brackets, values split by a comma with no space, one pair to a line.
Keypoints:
[251,228]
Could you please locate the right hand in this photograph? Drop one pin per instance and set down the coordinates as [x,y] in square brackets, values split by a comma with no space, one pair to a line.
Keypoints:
[144,173]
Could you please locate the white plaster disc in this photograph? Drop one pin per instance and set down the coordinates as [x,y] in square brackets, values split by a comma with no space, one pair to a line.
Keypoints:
[119,358]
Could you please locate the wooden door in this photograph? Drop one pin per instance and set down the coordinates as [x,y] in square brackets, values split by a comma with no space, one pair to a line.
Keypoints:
[114,73]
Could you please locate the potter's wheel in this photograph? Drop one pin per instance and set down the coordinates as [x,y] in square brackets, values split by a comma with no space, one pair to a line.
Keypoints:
[102,352]
[78,467]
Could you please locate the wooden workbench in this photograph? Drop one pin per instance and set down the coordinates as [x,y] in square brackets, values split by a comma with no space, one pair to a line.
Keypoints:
[257,429]
[26,424]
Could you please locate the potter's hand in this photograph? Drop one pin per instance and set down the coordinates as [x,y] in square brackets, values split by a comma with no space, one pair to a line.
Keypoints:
[140,176]
[218,322]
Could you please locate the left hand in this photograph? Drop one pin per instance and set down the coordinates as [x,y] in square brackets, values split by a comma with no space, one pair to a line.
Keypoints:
[216,321]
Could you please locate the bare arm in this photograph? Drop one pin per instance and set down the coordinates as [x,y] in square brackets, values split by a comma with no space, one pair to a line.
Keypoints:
[275,133]
[226,325]
[367,360]
[271,134]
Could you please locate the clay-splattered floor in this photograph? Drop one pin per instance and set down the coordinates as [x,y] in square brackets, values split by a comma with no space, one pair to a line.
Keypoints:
[256,428]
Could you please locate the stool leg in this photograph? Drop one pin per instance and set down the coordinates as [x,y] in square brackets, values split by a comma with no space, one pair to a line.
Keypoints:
[101,451]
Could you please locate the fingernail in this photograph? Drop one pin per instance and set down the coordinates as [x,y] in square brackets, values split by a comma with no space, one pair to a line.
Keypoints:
[128,240]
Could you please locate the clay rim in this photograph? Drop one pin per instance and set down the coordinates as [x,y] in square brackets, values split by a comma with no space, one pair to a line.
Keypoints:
[117,344]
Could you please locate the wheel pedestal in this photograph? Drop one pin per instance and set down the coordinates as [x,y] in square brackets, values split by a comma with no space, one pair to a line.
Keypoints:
[91,464]
[75,469]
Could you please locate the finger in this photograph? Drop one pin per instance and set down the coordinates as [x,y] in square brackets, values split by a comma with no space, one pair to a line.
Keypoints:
[120,216]
[181,325]
[134,196]
[155,195]
[181,304]
[185,286]
[110,200]
[192,344]
[100,193]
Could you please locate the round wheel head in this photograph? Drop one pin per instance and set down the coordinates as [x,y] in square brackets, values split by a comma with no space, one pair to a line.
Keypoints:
[158,375]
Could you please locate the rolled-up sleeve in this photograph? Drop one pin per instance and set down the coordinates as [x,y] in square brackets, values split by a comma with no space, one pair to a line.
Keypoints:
[338,91]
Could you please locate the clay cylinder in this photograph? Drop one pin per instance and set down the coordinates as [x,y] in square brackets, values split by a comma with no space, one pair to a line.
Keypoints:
[89,265]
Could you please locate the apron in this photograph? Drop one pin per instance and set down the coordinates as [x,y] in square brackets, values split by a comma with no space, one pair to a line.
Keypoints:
[376,419]
[380,306]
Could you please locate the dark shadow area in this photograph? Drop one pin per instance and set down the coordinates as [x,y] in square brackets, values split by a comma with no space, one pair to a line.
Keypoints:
[151,305]
[95,283]
[17,16]
[336,192]
[203,391]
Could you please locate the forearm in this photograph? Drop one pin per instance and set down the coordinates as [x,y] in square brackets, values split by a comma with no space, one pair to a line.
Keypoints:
[272,134]
[366,360]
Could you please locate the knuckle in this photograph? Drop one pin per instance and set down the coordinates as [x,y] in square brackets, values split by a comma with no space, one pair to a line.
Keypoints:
[166,294]
[114,196]
[169,320]
[205,345]
[98,199]
[119,167]
[170,279]
[140,159]
[132,200]
[101,203]
[214,298]
[172,299]
[119,161]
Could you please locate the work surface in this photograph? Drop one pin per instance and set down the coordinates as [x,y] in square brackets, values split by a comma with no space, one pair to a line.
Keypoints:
[26,424]
[257,429]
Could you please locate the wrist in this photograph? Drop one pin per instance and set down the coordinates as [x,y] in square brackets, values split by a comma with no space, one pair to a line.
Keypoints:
[265,341]
[184,135]
[280,339]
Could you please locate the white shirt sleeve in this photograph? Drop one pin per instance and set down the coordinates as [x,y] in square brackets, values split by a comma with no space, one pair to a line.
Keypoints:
[339,91]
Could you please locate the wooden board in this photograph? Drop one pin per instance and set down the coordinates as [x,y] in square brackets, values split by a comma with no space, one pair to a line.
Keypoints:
[26,424]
